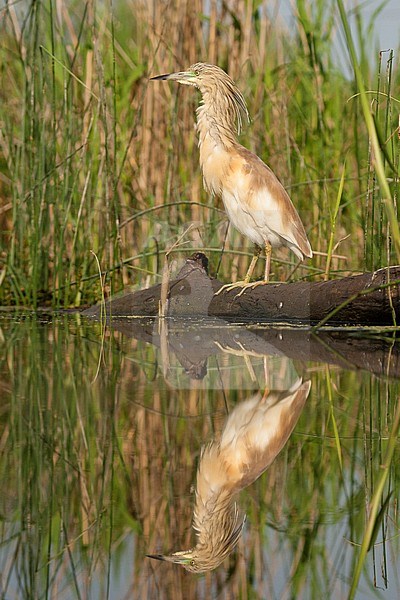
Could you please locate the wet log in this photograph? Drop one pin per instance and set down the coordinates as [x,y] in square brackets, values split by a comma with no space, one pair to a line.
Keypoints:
[367,299]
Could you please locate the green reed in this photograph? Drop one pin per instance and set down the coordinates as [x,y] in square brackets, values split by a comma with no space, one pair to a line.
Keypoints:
[86,143]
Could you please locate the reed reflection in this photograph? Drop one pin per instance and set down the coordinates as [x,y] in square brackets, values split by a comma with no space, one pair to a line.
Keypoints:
[253,435]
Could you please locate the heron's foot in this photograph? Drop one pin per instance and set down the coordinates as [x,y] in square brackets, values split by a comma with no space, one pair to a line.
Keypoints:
[251,285]
[232,286]
[244,285]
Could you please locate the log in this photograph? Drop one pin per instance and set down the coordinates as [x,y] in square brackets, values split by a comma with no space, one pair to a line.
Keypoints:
[367,299]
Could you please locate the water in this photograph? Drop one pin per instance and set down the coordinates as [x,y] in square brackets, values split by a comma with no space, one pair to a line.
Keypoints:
[100,437]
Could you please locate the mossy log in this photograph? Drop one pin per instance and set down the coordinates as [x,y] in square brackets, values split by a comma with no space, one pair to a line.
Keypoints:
[367,299]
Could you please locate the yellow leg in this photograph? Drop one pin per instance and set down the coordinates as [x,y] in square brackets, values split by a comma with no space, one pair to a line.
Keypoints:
[246,283]
[250,270]
[243,284]
[268,250]
[266,376]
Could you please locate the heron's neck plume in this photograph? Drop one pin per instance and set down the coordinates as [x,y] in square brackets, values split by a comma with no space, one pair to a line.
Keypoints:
[217,521]
[214,126]
[219,119]
[220,114]
[218,533]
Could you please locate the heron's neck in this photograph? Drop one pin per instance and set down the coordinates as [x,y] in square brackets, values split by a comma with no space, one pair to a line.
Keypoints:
[216,138]
[214,126]
[213,491]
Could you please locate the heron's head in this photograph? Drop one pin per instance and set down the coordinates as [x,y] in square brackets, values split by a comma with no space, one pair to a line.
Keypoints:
[195,560]
[200,75]
[215,84]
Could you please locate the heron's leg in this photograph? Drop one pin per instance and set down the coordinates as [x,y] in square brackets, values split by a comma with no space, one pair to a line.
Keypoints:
[268,250]
[266,376]
[250,270]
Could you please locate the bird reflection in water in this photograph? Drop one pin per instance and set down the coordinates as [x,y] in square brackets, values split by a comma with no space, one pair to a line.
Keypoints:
[253,435]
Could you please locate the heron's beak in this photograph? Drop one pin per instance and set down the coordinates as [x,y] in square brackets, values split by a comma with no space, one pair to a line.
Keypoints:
[157,556]
[185,77]
[180,558]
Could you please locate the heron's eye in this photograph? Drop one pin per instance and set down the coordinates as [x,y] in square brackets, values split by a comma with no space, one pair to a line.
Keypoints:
[192,563]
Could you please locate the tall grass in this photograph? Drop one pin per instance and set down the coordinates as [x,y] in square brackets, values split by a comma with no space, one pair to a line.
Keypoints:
[94,158]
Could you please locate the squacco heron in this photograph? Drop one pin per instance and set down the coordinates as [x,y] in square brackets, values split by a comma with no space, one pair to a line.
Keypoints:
[254,433]
[255,201]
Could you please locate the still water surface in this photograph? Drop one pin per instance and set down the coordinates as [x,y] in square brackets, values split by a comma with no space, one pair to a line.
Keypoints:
[101,437]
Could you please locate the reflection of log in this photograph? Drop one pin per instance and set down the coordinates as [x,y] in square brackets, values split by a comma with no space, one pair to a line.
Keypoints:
[192,293]
[194,343]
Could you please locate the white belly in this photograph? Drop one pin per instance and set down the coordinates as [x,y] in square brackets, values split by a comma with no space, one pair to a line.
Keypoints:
[260,225]
[255,202]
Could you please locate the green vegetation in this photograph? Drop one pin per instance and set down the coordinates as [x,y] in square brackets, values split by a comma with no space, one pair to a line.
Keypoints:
[99,173]
[94,158]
